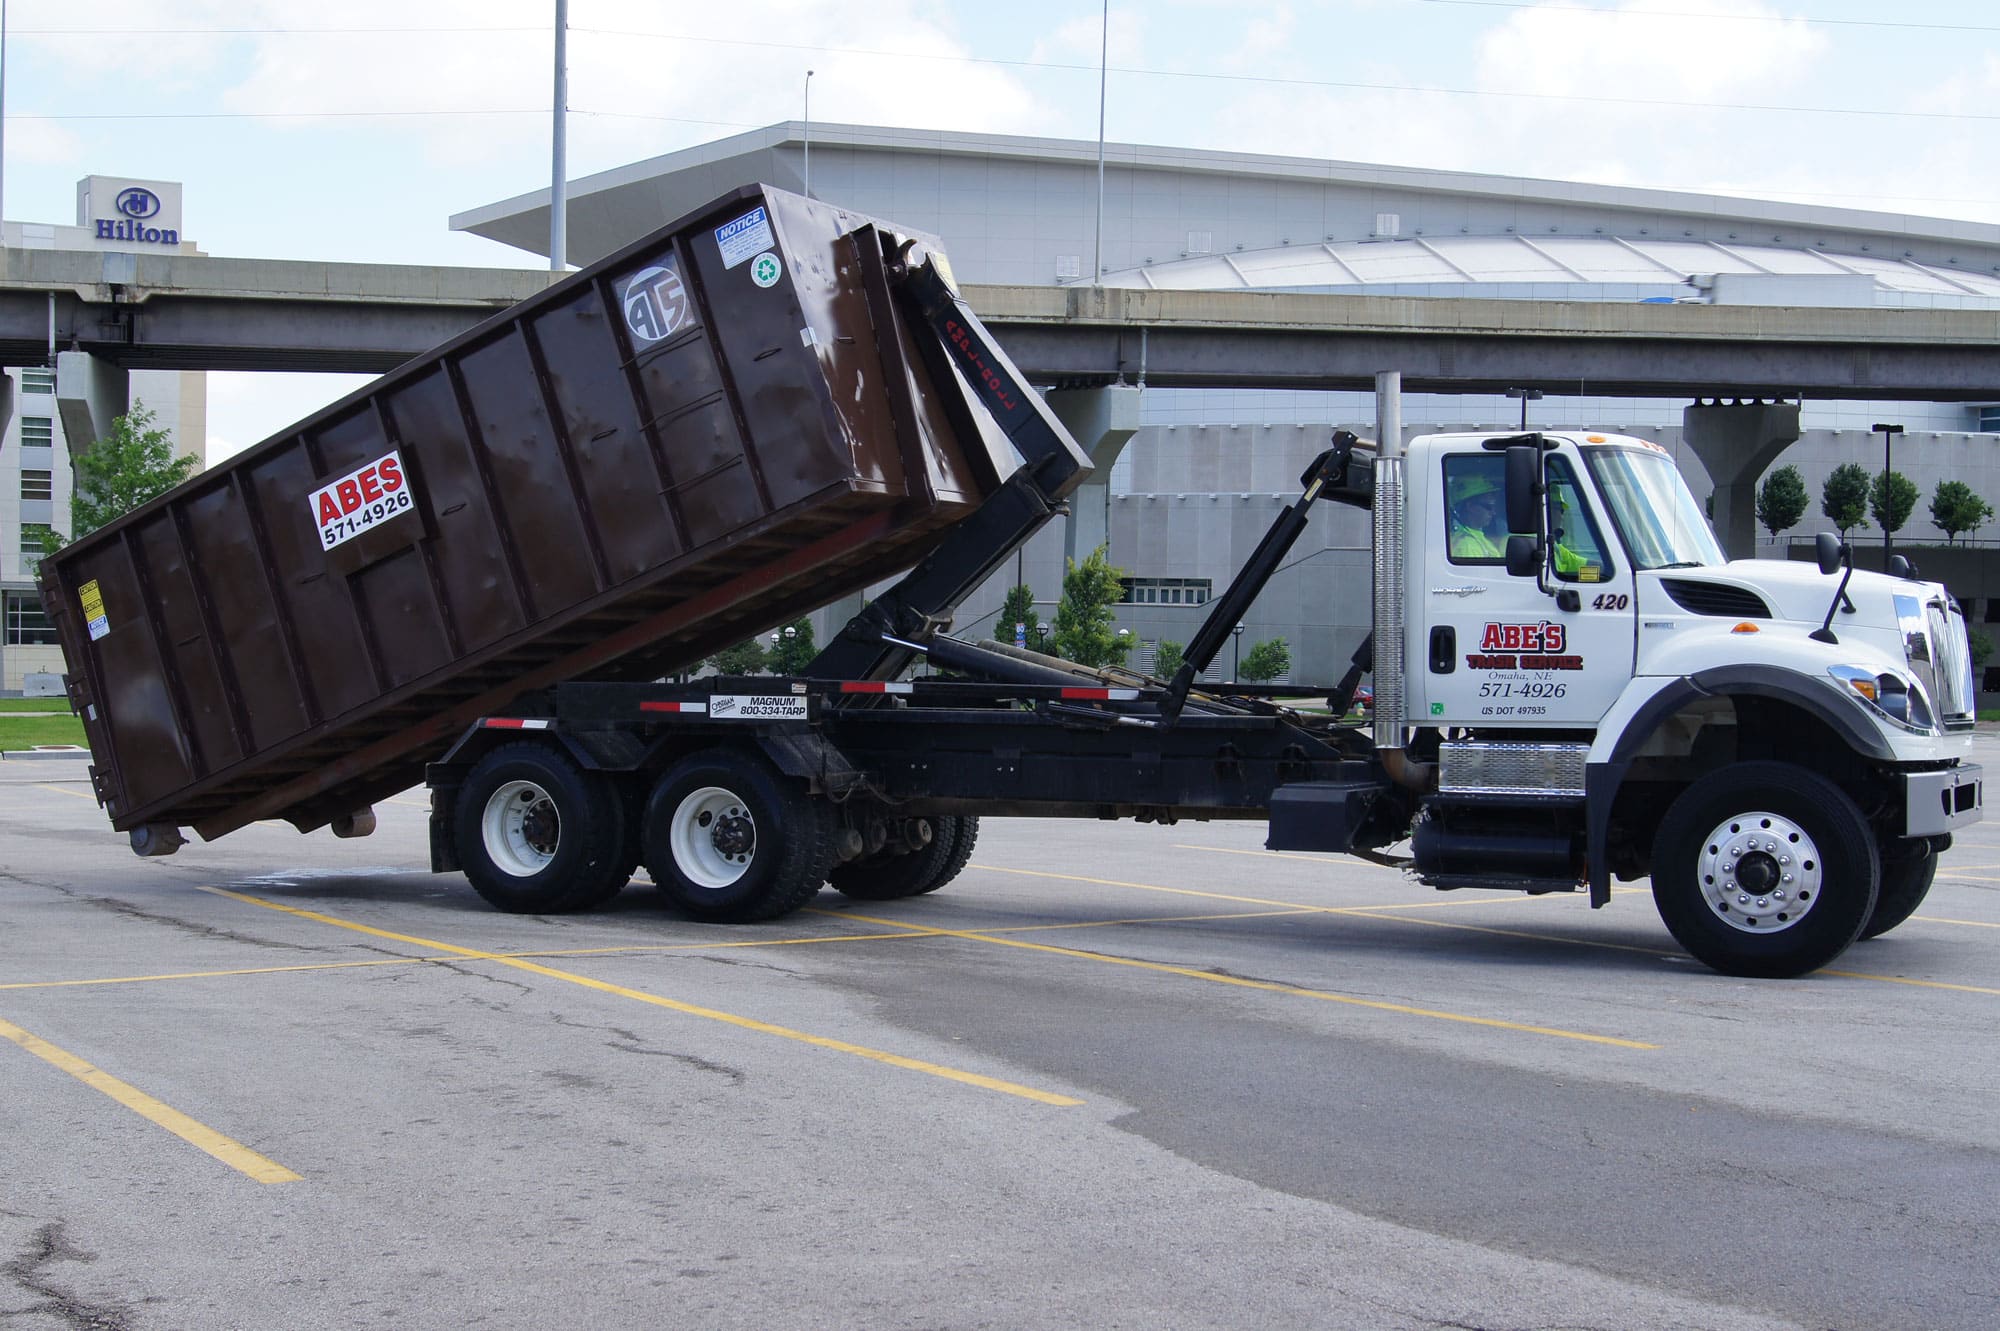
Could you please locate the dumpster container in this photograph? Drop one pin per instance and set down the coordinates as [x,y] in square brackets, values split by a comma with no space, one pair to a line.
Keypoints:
[717,429]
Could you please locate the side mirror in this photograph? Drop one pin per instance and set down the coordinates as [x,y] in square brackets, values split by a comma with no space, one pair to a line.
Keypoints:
[1900,567]
[1827,550]
[1524,489]
[1524,556]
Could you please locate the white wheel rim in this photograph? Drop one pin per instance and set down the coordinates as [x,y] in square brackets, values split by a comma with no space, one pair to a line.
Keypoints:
[520,828]
[1759,873]
[714,838]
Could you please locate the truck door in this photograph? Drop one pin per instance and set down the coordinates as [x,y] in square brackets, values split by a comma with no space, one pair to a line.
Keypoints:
[1497,650]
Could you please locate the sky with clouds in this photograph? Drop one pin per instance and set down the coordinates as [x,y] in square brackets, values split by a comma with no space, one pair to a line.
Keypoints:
[353,132]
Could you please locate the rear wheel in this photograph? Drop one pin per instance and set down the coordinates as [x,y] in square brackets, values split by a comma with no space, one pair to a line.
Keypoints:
[1906,881]
[1765,869]
[728,839]
[890,877]
[537,834]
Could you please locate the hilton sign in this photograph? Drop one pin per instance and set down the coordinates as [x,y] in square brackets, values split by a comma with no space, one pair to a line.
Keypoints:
[136,205]
[122,212]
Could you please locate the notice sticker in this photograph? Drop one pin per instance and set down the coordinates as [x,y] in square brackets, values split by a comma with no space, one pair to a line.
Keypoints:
[364,498]
[745,238]
[757,707]
[93,609]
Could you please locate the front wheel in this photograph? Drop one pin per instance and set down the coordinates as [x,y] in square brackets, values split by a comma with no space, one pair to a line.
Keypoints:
[537,834]
[1765,870]
[729,840]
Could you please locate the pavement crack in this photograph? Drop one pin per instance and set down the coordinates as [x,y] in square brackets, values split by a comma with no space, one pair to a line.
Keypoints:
[132,912]
[27,1269]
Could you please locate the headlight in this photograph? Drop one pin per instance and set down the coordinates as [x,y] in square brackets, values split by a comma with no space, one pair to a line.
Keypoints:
[1891,693]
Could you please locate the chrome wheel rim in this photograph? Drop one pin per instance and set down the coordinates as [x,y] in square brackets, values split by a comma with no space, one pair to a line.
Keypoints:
[1759,873]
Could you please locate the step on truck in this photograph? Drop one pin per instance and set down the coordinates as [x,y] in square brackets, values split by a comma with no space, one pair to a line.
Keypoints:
[493,568]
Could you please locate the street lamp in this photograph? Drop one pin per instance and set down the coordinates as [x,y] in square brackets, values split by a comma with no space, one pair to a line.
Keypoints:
[1236,662]
[1888,433]
[809,135]
[1526,395]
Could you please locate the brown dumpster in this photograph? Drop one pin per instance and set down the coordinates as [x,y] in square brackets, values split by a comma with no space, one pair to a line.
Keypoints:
[716,430]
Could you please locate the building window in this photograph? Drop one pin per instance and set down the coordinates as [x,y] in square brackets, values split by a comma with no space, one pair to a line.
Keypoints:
[1166,591]
[38,432]
[1989,420]
[38,381]
[37,484]
[27,626]
[1069,265]
[1200,242]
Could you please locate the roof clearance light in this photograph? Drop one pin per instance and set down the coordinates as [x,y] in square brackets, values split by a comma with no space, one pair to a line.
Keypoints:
[1594,438]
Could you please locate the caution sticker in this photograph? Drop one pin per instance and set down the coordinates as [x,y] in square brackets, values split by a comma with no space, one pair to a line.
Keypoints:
[757,707]
[364,498]
[93,609]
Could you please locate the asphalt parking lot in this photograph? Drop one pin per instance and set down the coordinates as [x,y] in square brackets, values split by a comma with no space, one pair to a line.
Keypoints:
[1113,1076]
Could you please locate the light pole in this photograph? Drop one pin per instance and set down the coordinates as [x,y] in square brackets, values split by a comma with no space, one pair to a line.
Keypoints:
[809,133]
[1236,660]
[1526,395]
[1888,433]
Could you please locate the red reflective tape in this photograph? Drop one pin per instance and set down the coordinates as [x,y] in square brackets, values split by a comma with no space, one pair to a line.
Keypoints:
[872,686]
[513,723]
[673,707]
[1098,694]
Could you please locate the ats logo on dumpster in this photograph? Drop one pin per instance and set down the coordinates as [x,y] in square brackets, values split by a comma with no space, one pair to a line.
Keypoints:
[365,497]
[656,303]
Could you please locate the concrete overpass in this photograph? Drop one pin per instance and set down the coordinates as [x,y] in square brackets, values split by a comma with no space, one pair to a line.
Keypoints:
[132,311]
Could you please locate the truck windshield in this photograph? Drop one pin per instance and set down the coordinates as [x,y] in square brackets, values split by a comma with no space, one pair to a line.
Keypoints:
[1662,525]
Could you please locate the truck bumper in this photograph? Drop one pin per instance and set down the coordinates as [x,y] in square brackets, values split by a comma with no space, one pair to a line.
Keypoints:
[1938,802]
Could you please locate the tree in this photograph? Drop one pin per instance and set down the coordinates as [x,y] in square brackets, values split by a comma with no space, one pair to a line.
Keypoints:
[1018,609]
[1781,500]
[1844,496]
[1266,661]
[131,464]
[792,655]
[1083,616]
[1956,508]
[745,658]
[1891,496]
[1168,659]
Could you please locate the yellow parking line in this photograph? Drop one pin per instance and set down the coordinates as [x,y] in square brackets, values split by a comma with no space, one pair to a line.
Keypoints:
[1939,919]
[64,790]
[689,1009]
[232,1153]
[1212,977]
[206,975]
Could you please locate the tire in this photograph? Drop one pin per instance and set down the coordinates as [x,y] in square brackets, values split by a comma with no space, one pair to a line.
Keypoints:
[893,877]
[729,840]
[1905,884]
[537,834]
[1765,870]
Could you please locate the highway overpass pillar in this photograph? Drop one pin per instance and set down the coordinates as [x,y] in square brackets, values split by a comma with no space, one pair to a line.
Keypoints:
[1101,420]
[90,394]
[1736,442]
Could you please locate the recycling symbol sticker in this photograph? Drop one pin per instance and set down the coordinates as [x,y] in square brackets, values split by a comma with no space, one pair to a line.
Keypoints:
[765,270]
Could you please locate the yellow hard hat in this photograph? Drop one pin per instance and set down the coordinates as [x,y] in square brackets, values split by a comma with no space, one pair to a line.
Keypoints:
[1474,485]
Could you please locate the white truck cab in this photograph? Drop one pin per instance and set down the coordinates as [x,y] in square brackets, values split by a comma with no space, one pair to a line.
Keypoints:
[1582,686]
